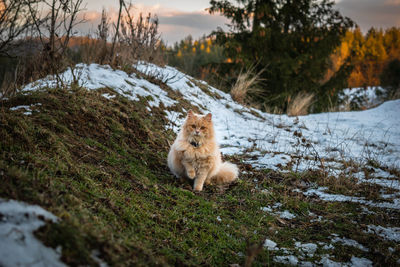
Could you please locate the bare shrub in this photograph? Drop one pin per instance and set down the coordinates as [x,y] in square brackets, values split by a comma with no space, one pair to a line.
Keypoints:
[139,39]
[246,84]
[132,40]
[300,104]
[103,31]
[47,27]
[14,22]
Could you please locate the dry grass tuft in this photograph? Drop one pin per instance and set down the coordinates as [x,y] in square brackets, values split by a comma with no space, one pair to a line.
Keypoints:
[300,104]
[246,84]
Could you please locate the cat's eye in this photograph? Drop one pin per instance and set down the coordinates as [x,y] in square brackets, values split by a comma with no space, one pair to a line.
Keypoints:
[193,126]
[202,127]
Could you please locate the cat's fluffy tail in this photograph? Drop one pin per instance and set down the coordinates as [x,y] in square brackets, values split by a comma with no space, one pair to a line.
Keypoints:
[227,173]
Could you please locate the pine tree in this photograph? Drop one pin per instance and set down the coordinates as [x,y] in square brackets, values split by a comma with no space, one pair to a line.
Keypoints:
[291,40]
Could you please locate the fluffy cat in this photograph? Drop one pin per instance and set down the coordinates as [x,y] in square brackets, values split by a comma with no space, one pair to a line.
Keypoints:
[195,154]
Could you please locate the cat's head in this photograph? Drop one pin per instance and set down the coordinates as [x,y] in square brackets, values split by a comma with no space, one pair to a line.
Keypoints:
[197,126]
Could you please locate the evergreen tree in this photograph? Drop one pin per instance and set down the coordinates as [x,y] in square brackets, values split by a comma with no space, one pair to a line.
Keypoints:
[291,40]
[392,42]
[196,57]
[374,46]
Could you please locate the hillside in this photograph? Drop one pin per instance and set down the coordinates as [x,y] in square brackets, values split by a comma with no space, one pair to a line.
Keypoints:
[90,147]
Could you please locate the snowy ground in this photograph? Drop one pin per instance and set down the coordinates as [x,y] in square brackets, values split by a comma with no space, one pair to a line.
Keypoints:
[361,98]
[18,244]
[363,144]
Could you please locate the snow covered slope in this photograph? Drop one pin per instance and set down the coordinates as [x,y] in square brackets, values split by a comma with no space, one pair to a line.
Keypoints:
[363,145]
[275,139]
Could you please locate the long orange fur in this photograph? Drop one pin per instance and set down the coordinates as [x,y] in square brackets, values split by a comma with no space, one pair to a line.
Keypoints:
[195,154]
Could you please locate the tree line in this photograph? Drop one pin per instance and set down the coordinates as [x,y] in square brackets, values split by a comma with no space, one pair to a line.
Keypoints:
[372,58]
[288,48]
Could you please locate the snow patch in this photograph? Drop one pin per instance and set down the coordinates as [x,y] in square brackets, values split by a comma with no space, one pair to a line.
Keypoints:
[286,215]
[362,97]
[342,198]
[388,233]
[108,96]
[290,259]
[27,108]
[282,214]
[350,242]
[270,245]
[96,76]
[18,245]
[307,248]
[360,262]
[21,107]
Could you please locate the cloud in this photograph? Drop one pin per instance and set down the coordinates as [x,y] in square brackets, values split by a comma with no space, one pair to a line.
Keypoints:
[198,20]
[175,26]
[392,2]
[371,13]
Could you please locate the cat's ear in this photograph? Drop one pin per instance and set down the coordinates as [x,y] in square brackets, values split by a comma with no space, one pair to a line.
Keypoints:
[190,113]
[208,117]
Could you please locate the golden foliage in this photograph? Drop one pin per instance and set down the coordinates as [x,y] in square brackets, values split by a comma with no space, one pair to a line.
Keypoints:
[369,54]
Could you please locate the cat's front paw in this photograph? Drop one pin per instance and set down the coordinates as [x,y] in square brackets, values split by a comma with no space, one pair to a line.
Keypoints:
[198,188]
[198,185]
[191,174]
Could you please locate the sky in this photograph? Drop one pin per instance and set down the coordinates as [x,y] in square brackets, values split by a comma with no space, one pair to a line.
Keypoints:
[179,18]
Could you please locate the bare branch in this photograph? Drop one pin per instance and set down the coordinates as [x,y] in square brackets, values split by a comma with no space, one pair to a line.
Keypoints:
[55,27]
[14,21]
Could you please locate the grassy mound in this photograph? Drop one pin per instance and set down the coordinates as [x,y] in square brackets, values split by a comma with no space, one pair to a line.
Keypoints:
[100,166]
